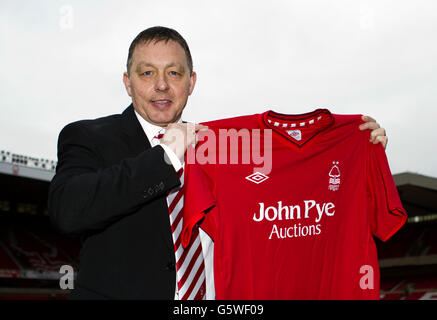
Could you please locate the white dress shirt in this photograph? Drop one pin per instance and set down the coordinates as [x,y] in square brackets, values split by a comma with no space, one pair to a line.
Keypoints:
[151,131]
[207,244]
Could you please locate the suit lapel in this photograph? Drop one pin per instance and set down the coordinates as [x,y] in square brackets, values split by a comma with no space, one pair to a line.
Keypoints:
[134,133]
[137,141]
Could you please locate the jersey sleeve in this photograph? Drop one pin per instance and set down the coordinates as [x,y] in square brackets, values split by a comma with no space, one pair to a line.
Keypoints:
[386,212]
[199,200]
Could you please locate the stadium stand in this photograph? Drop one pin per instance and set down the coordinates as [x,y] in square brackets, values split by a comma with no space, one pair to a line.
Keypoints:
[31,252]
[411,288]
[408,261]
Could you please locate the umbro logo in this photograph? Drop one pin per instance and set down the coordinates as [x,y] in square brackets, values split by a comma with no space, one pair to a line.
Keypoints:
[257,177]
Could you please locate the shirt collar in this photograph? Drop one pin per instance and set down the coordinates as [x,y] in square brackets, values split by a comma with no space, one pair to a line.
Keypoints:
[150,129]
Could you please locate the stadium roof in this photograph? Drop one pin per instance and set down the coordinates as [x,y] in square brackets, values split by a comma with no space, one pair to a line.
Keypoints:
[418,194]
[26,166]
[409,178]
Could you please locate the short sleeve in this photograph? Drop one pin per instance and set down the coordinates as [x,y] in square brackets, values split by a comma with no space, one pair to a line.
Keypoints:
[386,212]
[199,199]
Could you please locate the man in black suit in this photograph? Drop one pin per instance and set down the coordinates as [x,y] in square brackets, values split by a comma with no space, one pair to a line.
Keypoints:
[112,180]
[110,185]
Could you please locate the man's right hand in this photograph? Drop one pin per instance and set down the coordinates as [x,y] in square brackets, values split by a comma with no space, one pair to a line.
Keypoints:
[178,136]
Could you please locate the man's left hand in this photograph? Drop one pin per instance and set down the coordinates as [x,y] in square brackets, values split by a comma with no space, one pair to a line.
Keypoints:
[378,134]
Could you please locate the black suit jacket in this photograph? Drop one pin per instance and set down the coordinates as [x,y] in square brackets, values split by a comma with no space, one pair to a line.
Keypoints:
[110,189]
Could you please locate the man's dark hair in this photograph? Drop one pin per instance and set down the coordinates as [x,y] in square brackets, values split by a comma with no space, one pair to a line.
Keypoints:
[158,34]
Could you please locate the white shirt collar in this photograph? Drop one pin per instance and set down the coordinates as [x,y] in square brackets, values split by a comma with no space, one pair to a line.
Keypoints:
[150,129]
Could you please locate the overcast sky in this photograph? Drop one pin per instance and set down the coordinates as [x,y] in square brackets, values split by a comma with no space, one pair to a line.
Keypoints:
[63,61]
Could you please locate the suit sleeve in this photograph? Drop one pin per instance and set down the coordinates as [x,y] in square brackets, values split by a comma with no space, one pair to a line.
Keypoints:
[386,212]
[86,196]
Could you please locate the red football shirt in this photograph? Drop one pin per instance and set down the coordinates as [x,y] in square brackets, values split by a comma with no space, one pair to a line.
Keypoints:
[302,226]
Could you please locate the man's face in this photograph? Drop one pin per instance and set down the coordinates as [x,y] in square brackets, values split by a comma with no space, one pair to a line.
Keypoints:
[159,82]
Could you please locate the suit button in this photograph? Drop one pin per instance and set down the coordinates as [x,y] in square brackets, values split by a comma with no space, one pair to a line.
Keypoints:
[170,266]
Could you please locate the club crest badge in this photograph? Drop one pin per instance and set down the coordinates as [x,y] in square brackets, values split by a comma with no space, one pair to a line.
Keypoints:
[334,177]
